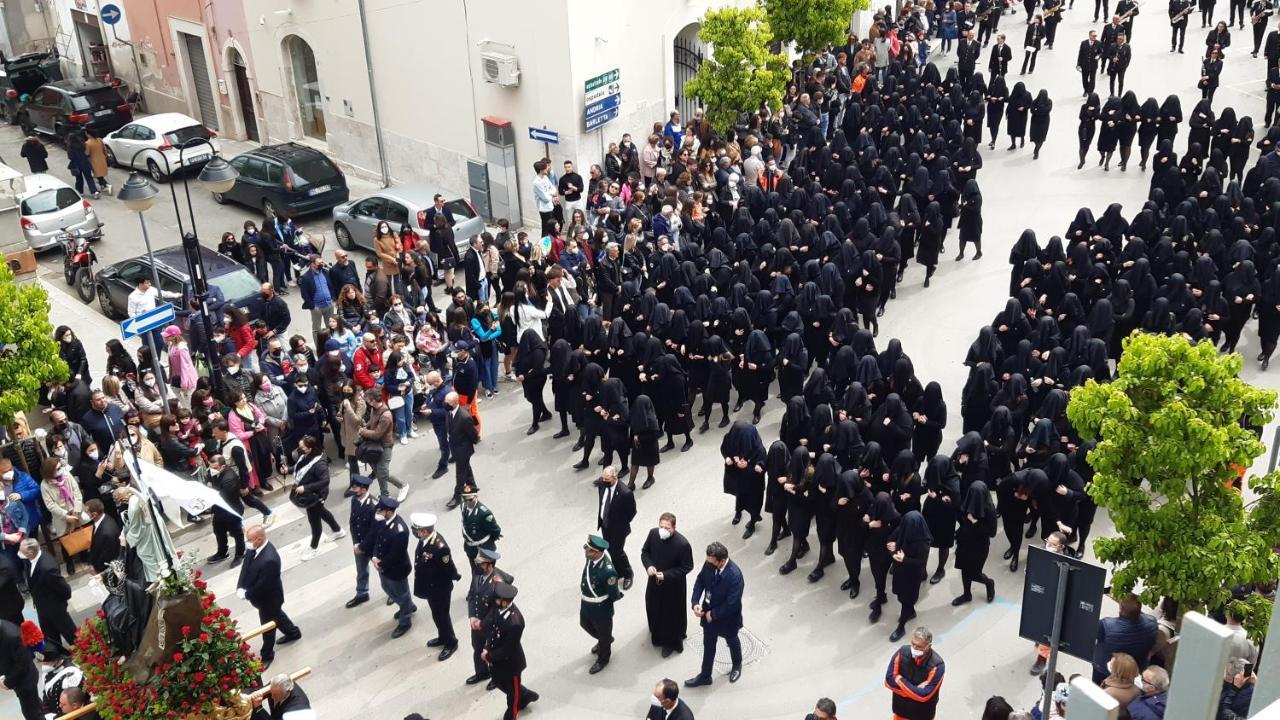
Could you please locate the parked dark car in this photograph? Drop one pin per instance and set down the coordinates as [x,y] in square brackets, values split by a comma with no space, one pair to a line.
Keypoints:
[56,108]
[115,282]
[286,180]
[23,75]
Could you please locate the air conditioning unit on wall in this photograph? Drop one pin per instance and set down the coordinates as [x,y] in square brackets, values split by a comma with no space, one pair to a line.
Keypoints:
[500,68]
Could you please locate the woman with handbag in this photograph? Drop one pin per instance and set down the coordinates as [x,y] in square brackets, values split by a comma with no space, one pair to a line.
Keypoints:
[61,494]
[248,423]
[397,384]
[182,370]
[311,488]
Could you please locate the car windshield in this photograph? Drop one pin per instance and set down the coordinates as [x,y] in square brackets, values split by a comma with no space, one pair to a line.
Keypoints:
[312,169]
[237,284]
[181,135]
[97,98]
[49,201]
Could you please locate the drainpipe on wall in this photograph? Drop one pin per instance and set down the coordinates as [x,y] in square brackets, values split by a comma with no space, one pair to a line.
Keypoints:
[137,70]
[373,96]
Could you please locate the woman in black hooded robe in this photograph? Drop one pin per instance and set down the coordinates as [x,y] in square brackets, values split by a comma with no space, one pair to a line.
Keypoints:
[941,502]
[802,495]
[616,411]
[930,418]
[1016,115]
[673,409]
[1241,288]
[1269,315]
[566,371]
[720,363]
[971,219]
[825,479]
[977,525]
[1090,113]
[590,391]
[744,455]
[531,369]
[931,234]
[909,545]
[853,502]
[889,255]
[1148,129]
[1026,248]
[1109,132]
[777,461]
[793,366]
[1062,497]
[1041,108]
[1014,495]
[881,520]
[997,97]
[645,431]
[891,426]
[975,399]
[756,368]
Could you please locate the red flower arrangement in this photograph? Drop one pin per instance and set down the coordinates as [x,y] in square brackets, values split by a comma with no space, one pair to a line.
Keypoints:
[208,670]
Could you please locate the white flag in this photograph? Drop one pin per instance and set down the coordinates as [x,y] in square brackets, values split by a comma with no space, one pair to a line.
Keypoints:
[193,496]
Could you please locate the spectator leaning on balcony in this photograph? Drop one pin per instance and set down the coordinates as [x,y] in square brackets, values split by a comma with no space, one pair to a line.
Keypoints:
[1132,633]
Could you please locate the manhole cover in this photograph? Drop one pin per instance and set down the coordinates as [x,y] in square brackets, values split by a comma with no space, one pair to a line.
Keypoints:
[753,649]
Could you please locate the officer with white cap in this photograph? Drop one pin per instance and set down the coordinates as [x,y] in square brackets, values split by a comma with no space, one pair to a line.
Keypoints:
[434,573]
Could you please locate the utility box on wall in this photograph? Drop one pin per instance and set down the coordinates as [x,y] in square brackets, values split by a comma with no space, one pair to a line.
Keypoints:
[478,188]
[500,157]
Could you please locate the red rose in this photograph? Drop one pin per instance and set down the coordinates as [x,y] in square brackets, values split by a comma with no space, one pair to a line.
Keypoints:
[204,637]
[186,630]
[231,634]
[200,677]
[177,657]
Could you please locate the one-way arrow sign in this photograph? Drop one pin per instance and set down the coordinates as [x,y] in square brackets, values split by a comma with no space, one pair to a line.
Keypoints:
[147,321]
[110,14]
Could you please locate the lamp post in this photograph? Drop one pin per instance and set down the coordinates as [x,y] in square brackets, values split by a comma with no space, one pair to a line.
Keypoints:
[139,195]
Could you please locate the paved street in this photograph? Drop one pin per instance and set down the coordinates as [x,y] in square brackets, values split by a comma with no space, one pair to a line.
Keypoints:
[801,640]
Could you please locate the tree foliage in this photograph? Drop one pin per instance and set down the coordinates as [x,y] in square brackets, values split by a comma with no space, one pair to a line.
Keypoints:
[1170,441]
[812,24]
[28,352]
[741,73]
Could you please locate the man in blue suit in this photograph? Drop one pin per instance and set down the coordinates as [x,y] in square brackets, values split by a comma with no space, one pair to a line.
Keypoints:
[717,600]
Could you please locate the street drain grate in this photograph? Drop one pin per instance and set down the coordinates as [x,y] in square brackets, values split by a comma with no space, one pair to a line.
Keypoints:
[753,650]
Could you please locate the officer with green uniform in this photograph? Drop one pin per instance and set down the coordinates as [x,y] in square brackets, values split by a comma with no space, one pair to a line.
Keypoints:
[599,593]
[479,528]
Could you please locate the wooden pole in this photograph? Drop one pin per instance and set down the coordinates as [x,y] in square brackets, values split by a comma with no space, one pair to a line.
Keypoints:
[262,691]
[259,631]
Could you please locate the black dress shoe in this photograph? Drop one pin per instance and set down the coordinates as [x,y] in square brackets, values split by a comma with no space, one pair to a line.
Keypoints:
[704,427]
[582,465]
[446,653]
[532,429]
[562,434]
[961,600]
[666,652]
[668,446]
[491,685]
[597,666]
[1031,531]
[879,312]
[751,530]
[439,473]
[724,421]
[853,591]
[595,648]
[477,678]
[1008,553]
[697,681]
[391,602]
[453,503]
[874,617]
[1266,362]
[357,600]
[737,517]
[235,561]
[219,557]
[787,567]
[435,642]
[897,634]
[937,576]
[773,547]
[816,575]
[1013,564]
[529,698]
[846,584]
[755,418]
[578,445]
[266,663]
[687,445]
[978,256]
[400,631]
[737,407]
[291,638]
[734,674]
[804,550]
[991,590]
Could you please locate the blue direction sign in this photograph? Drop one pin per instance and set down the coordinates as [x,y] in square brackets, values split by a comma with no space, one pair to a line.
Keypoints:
[607,103]
[596,121]
[110,14]
[602,96]
[544,135]
[148,321]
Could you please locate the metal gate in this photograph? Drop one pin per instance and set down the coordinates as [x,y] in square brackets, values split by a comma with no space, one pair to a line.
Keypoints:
[200,80]
[688,56]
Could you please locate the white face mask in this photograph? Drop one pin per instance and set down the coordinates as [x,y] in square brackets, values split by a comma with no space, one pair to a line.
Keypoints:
[233,369]
[149,382]
[917,653]
[664,533]
[93,454]
[60,452]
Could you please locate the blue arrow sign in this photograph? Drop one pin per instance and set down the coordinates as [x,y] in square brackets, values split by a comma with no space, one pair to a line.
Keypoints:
[147,321]
[544,135]
[607,103]
[110,14]
[596,121]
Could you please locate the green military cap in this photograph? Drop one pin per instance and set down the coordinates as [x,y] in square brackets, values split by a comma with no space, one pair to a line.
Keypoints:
[597,543]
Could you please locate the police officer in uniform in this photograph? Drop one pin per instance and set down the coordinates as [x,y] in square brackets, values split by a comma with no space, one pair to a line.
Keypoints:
[479,528]
[484,580]
[599,592]
[505,654]
[433,579]
[389,546]
[1179,12]
[361,525]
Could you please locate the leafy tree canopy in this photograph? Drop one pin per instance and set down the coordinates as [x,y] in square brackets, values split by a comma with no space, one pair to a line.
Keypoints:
[812,24]
[741,73]
[28,352]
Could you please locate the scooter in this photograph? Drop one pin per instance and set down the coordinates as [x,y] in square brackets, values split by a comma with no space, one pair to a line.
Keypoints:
[78,259]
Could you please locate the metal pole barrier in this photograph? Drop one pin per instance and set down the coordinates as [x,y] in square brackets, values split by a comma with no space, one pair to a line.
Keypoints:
[1197,681]
[1060,600]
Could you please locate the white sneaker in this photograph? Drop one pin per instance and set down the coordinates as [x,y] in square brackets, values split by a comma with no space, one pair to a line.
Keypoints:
[404,493]
[413,433]
[404,440]
[309,554]
[338,535]
[269,520]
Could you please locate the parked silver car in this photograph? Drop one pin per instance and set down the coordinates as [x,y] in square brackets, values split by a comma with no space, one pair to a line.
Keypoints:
[355,221]
[48,206]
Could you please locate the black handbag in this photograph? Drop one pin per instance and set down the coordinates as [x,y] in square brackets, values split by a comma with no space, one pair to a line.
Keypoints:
[369,452]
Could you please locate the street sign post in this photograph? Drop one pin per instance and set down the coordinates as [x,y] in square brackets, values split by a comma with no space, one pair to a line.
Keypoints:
[602,98]
[147,321]
[110,14]
[544,135]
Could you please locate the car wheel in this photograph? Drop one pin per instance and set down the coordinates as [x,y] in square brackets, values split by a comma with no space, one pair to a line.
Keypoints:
[269,208]
[84,285]
[104,303]
[111,157]
[153,169]
[344,237]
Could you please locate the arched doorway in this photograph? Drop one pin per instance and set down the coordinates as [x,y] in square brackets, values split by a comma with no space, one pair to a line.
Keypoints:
[687,53]
[306,87]
[242,98]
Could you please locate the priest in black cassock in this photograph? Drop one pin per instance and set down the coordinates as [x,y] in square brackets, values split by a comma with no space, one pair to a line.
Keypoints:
[667,560]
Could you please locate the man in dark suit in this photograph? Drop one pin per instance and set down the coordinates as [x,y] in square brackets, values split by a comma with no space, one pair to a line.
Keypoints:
[438,207]
[260,584]
[614,512]
[11,600]
[667,704]
[473,268]
[18,671]
[50,593]
[227,524]
[463,436]
[564,300]
[717,601]
[1087,61]
[967,58]
[504,653]
[105,545]
[437,412]
[435,572]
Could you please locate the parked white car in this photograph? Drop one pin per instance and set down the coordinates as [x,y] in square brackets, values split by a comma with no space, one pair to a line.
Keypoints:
[147,142]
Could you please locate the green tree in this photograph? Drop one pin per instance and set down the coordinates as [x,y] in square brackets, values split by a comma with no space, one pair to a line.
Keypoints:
[1170,441]
[812,24]
[741,73]
[28,352]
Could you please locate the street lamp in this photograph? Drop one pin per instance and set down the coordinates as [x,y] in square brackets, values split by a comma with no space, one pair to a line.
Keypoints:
[139,195]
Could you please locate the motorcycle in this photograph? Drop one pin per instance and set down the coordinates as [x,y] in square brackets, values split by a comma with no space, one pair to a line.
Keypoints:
[78,258]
